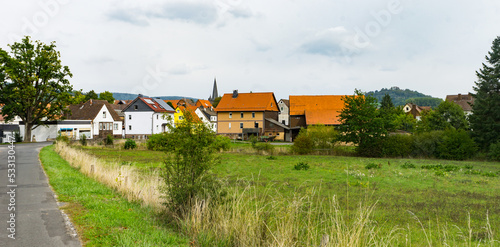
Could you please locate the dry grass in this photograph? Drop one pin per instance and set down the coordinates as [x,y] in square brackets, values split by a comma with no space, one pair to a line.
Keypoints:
[126,179]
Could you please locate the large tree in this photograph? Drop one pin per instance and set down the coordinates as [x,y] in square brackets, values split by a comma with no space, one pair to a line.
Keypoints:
[485,118]
[447,115]
[33,83]
[362,124]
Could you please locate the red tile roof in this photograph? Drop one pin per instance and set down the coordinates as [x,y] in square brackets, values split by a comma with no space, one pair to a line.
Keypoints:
[155,106]
[248,102]
[318,109]
[204,103]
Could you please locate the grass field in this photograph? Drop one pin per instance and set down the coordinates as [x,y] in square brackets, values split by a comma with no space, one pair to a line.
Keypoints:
[426,202]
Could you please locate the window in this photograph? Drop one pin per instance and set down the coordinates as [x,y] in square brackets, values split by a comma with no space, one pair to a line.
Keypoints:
[103,114]
[180,118]
[230,115]
[157,127]
[116,126]
[253,114]
[101,126]
[256,125]
[130,127]
[135,107]
[157,116]
[282,108]
[241,125]
[129,117]
[241,114]
[229,125]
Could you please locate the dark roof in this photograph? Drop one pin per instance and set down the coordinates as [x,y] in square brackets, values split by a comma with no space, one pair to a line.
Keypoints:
[287,102]
[89,110]
[156,105]
[463,100]
[9,127]
[277,123]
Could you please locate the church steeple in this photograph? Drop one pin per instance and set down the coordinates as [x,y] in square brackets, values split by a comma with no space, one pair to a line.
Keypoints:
[215,93]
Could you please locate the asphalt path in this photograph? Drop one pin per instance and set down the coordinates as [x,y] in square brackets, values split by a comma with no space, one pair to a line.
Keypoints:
[37,220]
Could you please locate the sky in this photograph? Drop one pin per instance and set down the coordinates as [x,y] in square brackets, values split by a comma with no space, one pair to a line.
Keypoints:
[289,47]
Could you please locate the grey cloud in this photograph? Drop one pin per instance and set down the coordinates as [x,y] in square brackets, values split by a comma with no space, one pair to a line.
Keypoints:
[241,13]
[130,16]
[333,42]
[200,13]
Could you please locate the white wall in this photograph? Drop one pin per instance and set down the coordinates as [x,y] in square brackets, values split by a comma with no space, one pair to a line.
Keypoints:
[162,118]
[100,118]
[284,115]
[42,133]
[212,125]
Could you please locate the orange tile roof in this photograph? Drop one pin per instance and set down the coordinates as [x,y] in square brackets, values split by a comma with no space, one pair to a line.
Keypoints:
[248,102]
[318,109]
[173,101]
[203,102]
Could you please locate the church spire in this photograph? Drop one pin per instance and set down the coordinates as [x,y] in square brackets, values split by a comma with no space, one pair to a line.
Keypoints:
[215,93]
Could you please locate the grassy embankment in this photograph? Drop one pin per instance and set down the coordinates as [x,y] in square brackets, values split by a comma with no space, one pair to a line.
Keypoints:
[100,214]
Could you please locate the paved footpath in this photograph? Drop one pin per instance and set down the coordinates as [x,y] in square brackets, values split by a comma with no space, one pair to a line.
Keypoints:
[38,220]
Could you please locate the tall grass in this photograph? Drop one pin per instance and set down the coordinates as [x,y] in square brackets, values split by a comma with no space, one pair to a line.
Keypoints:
[135,186]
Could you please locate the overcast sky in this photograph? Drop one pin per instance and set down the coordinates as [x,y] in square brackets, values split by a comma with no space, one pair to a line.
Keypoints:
[291,47]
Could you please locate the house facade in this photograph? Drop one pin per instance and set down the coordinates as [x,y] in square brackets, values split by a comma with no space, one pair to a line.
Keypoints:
[284,114]
[73,129]
[208,116]
[240,115]
[415,110]
[103,119]
[147,116]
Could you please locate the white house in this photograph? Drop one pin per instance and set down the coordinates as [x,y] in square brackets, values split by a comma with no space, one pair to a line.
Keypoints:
[208,116]
[284,113]
[104,119]
[146,116]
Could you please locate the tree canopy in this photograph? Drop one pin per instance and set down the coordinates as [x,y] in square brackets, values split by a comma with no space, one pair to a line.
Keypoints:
[485,118]
[33,83]
[447,115]
[107,96]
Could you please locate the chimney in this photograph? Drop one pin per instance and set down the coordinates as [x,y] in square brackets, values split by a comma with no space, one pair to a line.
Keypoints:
[235,94]
[90,102]
[459,96]
[140,95]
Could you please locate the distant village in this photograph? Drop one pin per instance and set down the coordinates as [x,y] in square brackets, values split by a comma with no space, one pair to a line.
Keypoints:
[237,115]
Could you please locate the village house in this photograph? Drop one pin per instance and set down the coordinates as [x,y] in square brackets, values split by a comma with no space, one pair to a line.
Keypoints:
[415,110]
[306,110]
[464,101]
[147,116]
[284,115]
[208,116]
[240,115]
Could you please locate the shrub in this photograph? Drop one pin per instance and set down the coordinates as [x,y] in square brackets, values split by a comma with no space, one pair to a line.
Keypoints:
[397,146]
[494,151]
[83,140]
[130,144]
[315,137]
[408,165]
[62,138]
[253,139]
[301,166]
[456,145]
[158,142]
[272,158]
[109,140]
[18,137]
[222,143]
[373,166]
[303,144]
[425,144]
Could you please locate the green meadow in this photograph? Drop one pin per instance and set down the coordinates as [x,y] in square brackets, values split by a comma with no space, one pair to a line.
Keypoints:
[418,201]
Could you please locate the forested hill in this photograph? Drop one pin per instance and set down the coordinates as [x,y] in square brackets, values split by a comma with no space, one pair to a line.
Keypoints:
[402,96]
[129,96]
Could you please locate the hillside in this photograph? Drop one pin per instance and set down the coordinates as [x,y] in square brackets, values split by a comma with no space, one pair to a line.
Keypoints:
[403,96]
[129,96]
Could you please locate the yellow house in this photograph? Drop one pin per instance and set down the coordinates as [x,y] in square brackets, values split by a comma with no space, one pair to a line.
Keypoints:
[242,114]
[181,110]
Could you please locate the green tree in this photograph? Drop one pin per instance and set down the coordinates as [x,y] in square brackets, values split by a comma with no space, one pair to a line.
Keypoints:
[78,97]
[388,113]
[193,151]
[33,83]
[361,124]
[107,96]
[91,95]
[216,102]
[446,116]
[485,118]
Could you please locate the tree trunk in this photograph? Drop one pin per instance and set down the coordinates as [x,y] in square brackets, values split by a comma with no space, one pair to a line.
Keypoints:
[27,132]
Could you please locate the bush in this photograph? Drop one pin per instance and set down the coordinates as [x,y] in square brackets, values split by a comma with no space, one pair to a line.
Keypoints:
[494,151]
[301,166]
[222,143]
[130,144]
[158,142]
[303,144]
[425,144]
[62,138]
[397,146]
[456,145]
[83,140]
[18,137]
[373,166]
[109,140]
[408,165]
